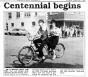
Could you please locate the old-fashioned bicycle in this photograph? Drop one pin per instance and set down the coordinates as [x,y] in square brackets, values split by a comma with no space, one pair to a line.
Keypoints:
[28,53]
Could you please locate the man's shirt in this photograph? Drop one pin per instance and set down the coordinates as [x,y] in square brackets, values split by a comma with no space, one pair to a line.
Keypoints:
[42,32]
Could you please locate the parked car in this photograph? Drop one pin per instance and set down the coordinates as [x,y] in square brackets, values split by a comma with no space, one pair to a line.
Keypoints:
[17,31]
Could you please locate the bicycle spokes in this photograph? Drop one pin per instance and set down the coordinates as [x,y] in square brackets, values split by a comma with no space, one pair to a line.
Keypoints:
[25,55]
[59,50]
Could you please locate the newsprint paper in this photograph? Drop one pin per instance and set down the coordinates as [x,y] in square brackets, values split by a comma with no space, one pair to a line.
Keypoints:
[44,37]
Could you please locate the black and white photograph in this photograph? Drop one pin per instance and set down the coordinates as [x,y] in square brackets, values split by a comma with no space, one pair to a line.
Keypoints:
[43,39]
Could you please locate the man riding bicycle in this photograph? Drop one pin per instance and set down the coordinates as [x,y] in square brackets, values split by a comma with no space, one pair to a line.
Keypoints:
[43,34]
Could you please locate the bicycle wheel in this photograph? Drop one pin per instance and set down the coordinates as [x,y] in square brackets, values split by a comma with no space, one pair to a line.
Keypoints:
[25,55]
[59,50]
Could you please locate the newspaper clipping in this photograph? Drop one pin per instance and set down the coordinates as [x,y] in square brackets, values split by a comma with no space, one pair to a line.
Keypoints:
[44,38]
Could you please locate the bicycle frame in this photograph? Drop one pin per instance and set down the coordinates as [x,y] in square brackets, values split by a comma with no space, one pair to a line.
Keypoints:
[31,40]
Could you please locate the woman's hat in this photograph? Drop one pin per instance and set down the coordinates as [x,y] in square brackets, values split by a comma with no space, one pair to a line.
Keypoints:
[53,21]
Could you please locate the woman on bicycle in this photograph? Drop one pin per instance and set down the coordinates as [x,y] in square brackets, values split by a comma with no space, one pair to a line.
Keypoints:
[54,33]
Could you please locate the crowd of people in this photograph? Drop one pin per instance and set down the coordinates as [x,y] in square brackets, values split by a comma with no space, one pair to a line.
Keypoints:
[73,31]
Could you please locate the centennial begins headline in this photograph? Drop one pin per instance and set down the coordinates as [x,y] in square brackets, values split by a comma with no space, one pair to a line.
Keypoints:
[42,5]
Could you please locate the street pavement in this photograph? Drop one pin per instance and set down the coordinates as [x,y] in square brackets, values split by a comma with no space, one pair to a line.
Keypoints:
[73,57]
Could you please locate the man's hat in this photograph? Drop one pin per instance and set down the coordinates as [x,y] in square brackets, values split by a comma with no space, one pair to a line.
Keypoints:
[41,21]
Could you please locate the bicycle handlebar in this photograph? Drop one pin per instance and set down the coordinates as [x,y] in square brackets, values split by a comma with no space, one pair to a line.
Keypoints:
[29,35]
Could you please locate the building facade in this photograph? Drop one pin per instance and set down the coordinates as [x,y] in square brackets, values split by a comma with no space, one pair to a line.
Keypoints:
[29,20]
[23,20]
